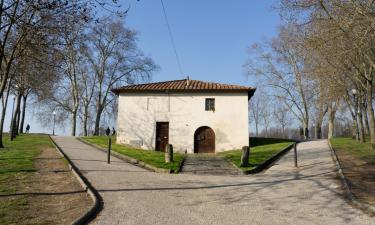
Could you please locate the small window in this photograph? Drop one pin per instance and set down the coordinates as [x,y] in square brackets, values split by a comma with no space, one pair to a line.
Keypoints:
[210,104]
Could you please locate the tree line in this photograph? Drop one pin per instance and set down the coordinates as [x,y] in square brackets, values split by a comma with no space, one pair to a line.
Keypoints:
[66,58]
[320,67]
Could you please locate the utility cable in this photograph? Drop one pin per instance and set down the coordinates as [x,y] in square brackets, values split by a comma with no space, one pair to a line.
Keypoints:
[171,38]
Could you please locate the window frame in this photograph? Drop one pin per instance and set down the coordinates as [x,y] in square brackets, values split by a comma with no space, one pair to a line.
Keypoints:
[209,104]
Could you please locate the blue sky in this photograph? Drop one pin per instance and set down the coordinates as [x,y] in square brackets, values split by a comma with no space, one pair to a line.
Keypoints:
[211,38]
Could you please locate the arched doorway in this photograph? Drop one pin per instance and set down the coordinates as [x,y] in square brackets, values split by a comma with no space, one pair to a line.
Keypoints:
[204,140]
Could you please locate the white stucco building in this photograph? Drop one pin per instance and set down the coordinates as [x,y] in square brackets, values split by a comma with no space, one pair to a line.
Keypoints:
[193,116]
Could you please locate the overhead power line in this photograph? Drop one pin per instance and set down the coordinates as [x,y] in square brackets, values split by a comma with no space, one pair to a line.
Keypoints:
[171,39]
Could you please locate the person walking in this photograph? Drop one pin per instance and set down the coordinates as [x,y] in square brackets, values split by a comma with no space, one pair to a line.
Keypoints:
[27,128]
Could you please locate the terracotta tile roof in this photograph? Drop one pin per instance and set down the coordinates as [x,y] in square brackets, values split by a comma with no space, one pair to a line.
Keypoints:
[183,85]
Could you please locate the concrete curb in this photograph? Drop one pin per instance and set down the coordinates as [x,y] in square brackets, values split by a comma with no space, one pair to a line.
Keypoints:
[131,160]
[268,163]
[358,203]
[181,164]
[86,185]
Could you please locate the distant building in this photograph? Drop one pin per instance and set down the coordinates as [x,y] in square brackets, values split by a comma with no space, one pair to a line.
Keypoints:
[192,115]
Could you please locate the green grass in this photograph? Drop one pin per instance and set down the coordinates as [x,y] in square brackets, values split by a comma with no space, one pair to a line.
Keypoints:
[16,162]
[261,150]
[152,158]
[348,145]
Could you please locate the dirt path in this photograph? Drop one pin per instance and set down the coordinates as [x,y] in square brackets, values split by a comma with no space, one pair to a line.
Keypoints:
[68,200]
[52,194]
[283,195]
[360,175]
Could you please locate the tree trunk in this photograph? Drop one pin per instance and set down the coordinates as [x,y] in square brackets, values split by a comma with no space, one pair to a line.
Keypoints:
[370,111]
[3,112]
[318,130]
[331,120]
[355,127]
[15,114]
[361,127]
[353,113]
[319,122]
[23,114]
[322,110]
[85,118]
[366,119]
[330,127]
[76,104]
[97,120]
[305,129]
[74,123]
[18,118]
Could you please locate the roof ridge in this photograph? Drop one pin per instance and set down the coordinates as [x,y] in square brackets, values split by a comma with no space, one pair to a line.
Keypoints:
[183,85]
[158,82]
[169,81]
[217,83]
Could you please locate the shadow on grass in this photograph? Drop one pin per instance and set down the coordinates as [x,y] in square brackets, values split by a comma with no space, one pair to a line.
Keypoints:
[43,193]
[27,158]
[258,141]
[4,171]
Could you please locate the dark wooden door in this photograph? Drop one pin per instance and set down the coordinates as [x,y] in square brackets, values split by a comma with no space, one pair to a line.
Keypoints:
[204,140]
[162,135]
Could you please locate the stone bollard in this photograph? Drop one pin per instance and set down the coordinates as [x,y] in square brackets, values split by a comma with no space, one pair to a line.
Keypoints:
[168,153]
[245,156]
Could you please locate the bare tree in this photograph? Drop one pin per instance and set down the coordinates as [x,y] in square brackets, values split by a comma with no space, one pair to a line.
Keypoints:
[87,84]
[21,21]
[267,119]
[342,32]
[256,109]
[281,66]
[332,108]
[281,114]
[115,60]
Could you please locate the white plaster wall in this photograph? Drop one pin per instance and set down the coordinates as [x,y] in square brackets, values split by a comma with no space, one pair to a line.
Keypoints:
[185,112]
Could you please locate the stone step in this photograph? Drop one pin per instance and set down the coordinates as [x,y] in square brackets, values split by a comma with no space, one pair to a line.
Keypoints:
[209,164]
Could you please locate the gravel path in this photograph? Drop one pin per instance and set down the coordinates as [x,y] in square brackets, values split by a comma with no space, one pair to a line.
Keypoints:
[282,195]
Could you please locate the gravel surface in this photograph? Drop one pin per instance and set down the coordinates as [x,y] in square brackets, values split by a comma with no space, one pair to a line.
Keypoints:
[283,194]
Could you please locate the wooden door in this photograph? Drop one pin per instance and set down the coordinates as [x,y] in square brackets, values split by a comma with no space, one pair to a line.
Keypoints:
[204,140]
[162,135]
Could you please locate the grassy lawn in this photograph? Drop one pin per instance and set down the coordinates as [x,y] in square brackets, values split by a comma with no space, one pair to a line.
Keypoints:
[153,158]
[16,161]
[261,149]
[360,150]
